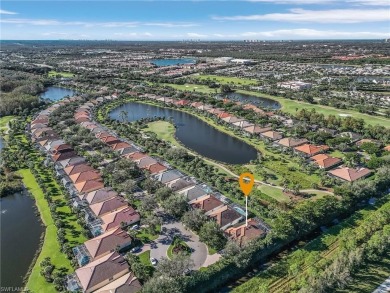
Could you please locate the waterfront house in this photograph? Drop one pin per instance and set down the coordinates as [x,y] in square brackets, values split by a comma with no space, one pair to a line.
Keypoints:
[101,272]
[120,218]
[193,193]
[271,135]
[309,150]
[127,283]
[290,142]
[168,176]
[255,129]
[181,184]
[106,243]
[88,186]
[156,168]
[104,207]
[100,195]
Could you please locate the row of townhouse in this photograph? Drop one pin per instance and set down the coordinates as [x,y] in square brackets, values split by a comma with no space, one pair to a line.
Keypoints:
[227,215]
[103,268]
[315,154]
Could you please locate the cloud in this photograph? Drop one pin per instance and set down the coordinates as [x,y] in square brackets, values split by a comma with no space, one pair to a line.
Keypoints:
[2,11]
[196,35]
[370,2]
[317,16]
[294,2]
[305,33]
[110,24]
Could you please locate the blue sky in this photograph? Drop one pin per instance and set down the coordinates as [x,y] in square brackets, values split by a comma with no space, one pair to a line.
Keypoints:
[206,20]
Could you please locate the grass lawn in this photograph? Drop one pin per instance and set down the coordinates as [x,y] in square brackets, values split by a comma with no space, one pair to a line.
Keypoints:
[4,122]
[174,244]
[226,79]
[53,73]
[146,237]
[192,88]
[51,247]
[291,106]
[274,193]
[211,250]
[164,131]
[144,257]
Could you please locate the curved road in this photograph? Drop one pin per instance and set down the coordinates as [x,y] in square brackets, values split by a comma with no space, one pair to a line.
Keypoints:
[159,247]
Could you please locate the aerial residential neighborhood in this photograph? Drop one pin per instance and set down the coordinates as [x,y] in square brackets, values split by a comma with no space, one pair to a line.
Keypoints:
[195,146]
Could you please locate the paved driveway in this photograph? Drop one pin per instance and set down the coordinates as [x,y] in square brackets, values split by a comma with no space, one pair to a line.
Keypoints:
[159,247]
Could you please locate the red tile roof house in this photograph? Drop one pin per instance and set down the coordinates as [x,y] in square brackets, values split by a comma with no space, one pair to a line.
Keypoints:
[224,115]
[127,216]
[88,186]
[63,156]
[350,174]
[181,102]
[85,176]
[207,203]
[196,104]
[242,233]
[38,126]
[108,206]
[70,170]
[110,140]
[62,148]
[156,168]
[102,271]
[271,135]
[127,283]
[120,145]
[290,142]
[325,162]
[82,119]
[108,242]
[98,195]
[225,217]
[309,150]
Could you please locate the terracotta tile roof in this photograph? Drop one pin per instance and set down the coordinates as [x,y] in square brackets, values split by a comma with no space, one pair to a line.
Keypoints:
[311,149]
[125,284]
[110,139]
[325,161]
[292,142]
[70,170]
[232,119]
[242,234]
[107,242]
[224,115]
[207,203]
[146,161]
[387,148]
[88,186]
[156,168]
[64,156]
[85,176]
[82,119]
[120,145]
[94,274]
[108,206]
[225,215]
[136,156]
[350,174]
[113,220]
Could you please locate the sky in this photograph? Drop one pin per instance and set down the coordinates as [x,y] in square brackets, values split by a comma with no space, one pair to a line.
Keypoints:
[194,20]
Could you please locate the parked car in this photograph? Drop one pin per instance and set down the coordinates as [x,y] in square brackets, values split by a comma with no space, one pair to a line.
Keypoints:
[153,261]
[135,227]
[135,249]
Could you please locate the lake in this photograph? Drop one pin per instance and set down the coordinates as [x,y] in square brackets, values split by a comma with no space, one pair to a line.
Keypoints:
[55,93]
[20,235]
[258,101]
[194,133]
[170,62]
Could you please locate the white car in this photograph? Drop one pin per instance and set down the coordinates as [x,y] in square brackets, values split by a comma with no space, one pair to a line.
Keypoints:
[153,261]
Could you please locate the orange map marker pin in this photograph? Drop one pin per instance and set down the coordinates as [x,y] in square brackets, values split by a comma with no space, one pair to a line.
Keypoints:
[246,186]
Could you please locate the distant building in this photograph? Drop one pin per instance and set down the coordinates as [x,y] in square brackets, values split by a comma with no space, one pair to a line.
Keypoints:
[295,85]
